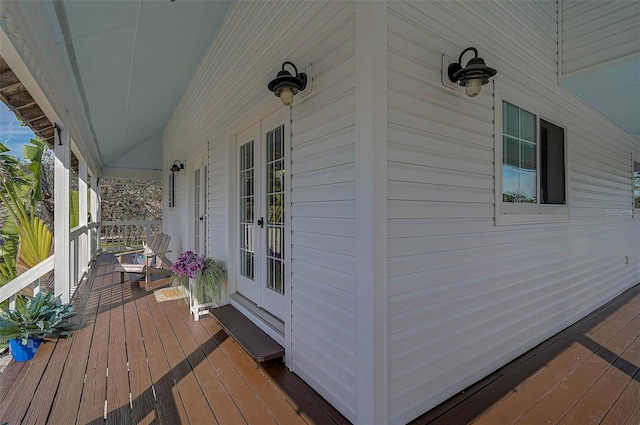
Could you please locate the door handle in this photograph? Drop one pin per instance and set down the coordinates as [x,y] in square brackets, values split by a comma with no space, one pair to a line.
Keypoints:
[261,222]
[201,218]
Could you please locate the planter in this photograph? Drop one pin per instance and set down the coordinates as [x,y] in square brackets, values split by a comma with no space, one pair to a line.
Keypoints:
[22,353]
[198,307]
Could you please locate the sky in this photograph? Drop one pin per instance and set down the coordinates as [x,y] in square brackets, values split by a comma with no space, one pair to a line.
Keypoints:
[12,134]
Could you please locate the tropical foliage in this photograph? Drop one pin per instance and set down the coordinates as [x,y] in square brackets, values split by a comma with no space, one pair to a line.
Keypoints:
[26,240]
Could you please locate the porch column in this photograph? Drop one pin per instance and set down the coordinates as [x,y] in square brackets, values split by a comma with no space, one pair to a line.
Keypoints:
[94,208]
[372,298]
[83,240]
[61,215]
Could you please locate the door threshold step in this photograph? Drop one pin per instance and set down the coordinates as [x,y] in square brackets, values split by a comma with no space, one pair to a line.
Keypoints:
[258,345]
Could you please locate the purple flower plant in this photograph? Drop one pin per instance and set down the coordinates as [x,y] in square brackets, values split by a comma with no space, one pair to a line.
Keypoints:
[188,264]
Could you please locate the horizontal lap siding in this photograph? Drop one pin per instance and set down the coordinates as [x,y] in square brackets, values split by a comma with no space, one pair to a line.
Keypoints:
[466,296]
[323,221]
[595,32]
[230,84]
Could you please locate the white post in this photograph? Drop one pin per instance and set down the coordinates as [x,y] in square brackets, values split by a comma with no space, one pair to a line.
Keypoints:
[62,226]
[372,351]
[147,227]
[83,212]
[95,233]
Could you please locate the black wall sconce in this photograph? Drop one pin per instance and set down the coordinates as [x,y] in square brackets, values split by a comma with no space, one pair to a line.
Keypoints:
[177,166]
[285,85]
[473,76]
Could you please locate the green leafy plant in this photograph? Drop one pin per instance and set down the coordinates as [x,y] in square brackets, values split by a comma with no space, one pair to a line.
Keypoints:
[43,316]
[209,275]
[209,281]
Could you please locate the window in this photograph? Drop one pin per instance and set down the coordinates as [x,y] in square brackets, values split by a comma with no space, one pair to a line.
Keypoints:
[521,170]
[636,188]
[531,169]
[172,201]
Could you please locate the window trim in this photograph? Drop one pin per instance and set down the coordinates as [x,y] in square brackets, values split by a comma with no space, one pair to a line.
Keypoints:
[507,213]
[635,212]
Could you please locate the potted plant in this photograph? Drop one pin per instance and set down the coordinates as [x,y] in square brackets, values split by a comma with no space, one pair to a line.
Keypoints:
[43,316]
[206,278]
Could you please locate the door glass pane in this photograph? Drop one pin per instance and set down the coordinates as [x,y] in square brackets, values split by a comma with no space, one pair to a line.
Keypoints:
[636,186]
[519,155]
[204,206]
[196,210]
[247,202]
[275,210]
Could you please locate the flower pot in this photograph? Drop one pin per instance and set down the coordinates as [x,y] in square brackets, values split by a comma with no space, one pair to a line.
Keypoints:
[22,353]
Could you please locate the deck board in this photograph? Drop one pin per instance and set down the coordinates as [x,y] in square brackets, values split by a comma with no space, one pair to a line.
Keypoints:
[586,374]
[168,403]
[15,406]
[143,405]
[92,400]
[66,408]
[196,406]
[249,405]
[225,410]
[118,407]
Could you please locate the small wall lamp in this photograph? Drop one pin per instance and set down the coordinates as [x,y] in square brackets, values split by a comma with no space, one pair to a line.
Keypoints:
[285,85]
[473,76]
[177,166]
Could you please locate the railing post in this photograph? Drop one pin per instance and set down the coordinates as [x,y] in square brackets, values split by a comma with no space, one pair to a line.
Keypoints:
[147,227]
[62,148]
[93,209]
[83,214]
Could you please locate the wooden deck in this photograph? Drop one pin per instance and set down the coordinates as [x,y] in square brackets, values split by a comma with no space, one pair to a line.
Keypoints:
[135,360]
[587,374]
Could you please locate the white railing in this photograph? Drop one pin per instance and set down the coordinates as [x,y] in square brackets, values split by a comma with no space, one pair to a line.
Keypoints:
[123,235]
[78,256]
[85,243]
[30,277]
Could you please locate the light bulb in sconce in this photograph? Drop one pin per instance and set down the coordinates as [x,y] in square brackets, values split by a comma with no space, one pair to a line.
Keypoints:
[286,85]
[473,87]
[286,96]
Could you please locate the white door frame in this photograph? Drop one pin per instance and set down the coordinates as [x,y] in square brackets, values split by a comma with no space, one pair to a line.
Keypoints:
[196,162]
[233,130]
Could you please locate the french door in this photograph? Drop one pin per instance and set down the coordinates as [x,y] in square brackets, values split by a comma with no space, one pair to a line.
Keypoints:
[198,214]
[261,207]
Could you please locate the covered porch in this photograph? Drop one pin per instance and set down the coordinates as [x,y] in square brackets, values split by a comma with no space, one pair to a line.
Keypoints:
[136,360]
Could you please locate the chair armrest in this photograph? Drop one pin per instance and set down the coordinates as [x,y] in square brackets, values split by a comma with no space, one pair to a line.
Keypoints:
[153,254]
[120,254]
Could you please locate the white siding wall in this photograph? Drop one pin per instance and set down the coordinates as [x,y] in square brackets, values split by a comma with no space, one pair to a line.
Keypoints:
[323,219]
[466,296]
[231,84]
[595,32]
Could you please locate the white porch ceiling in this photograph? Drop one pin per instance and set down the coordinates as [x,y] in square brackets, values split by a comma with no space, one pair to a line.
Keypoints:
[613,89]
[130,62]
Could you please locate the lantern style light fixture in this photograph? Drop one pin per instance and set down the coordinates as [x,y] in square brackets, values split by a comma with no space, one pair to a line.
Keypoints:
[285,85]
[473,76]
[177,166]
